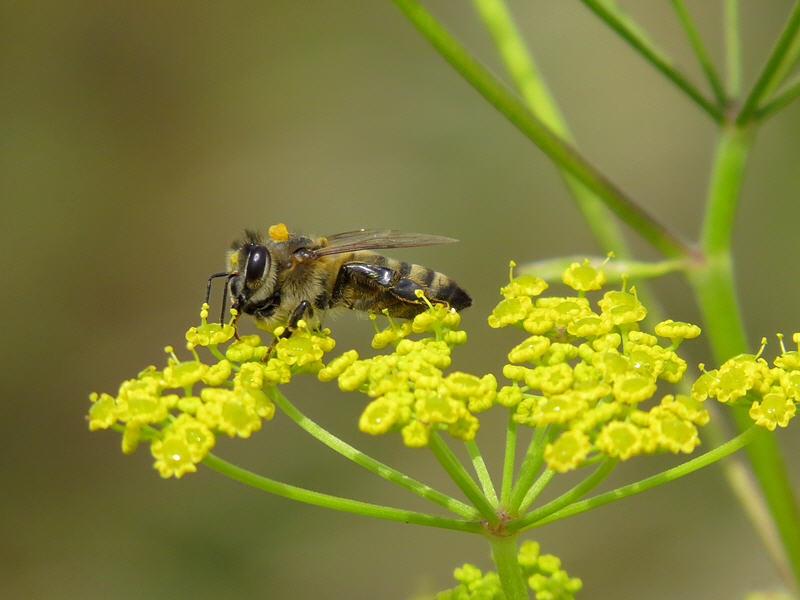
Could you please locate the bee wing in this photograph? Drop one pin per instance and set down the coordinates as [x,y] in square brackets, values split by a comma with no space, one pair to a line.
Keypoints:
[374,239]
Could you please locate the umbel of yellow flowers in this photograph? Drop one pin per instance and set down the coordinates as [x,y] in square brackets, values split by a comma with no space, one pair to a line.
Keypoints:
[586,370]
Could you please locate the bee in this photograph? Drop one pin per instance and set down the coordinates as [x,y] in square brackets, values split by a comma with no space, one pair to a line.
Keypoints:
[282,278]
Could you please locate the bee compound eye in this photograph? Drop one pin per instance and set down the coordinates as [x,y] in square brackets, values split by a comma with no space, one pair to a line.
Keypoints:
[257,266]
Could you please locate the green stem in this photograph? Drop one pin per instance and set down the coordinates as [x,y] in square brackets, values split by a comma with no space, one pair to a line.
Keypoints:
[580,490]
[781,99]
[536,489]
[461,478]
[726,180]
[520,65]
[700,50]
[482,472]
[690,466]
[631,33]
[531,464]
[713,283]
[767,79]
[358,457]
[551,269]
[562,153]
[509,458]
[334,502]
[504,555]
[733,48]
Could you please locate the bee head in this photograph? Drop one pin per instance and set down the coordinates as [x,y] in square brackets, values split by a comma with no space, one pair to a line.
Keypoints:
[253,277]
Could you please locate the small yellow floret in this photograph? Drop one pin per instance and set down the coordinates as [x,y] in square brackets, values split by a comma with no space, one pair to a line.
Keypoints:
[103,412]
[510,311]
[677,330]
[775,409]
[567,452]
[416,434]
[583,277]
[619,439]
[379,416]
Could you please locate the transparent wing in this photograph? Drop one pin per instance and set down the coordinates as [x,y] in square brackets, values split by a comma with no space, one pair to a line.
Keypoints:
[375,239]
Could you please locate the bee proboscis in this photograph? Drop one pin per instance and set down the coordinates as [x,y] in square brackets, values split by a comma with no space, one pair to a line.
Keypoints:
[282,278]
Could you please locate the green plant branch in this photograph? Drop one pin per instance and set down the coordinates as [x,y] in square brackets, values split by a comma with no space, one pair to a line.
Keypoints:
[369,463]
[484,478]
[509,458]
[784,97]
[534,457]
[580,490]
[504,555]
[768,78]
[459,475]
[700,50]
[686,468]
[551,269]
[562,153]
[536,489]
[624,26]
[335,502]
[733,49]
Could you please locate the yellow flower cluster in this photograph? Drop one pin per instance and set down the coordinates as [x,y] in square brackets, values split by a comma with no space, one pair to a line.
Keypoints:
[183,407]
[771,392]
[411,394]
[587,371]
[543,573]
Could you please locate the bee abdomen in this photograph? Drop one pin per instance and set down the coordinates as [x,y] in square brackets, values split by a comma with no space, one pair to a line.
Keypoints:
[392,285]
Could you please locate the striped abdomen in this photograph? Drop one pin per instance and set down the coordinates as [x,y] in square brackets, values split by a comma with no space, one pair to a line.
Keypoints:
[371,282]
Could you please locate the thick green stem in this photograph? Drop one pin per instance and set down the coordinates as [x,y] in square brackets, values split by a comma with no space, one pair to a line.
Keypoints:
[562,153]
[723,193]
[713,282]
[504,555]
[335,502]
[358,457]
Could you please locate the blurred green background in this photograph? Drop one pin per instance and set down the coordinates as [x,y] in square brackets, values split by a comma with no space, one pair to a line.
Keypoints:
[138,139]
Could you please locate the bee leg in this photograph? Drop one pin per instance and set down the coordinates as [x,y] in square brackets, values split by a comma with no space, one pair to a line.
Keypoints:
[401,287]
[295,317]
[291,327]
[235,323]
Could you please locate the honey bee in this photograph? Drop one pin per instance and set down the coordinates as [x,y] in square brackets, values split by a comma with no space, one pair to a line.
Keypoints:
[282,278]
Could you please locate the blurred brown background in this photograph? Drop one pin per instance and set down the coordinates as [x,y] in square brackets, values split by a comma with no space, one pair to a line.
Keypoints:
[138,139]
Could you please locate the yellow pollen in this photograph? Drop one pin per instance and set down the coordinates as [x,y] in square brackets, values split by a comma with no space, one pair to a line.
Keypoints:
[279,233]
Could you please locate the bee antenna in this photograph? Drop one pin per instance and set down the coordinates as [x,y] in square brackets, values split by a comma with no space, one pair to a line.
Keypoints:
[225,293]
[210,279]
